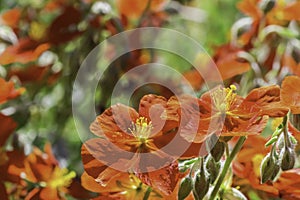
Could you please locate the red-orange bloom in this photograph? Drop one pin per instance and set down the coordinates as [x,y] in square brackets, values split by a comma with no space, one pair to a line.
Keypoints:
[26,50]
[7,91]
[241,116]
[41,168]
[134,146]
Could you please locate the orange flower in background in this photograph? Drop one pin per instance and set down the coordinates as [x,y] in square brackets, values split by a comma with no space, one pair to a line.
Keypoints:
[41,169]
[290,93]
[280,13]
[135,8]
[11,18]
[228,62]
[247,168]
[7,125]
[26,50]
[7,91]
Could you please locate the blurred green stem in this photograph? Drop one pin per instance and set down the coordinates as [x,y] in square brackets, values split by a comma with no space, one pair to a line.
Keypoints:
[227,164]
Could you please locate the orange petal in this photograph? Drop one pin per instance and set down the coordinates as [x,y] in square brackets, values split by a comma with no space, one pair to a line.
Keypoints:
[23,52]
[152,107]
[290,93]
[164,179]
[115,123]
[99,154]
[49,194]
[135,8]
[11,17]
[7,126]
[291,11]
[250,7]
[269,99]
[7,91]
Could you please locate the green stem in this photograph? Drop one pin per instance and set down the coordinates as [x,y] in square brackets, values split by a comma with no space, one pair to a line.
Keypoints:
[227,164]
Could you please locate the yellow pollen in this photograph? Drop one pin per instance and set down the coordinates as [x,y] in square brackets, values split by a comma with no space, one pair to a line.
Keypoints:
[141,129]
[224,98]
[61,178]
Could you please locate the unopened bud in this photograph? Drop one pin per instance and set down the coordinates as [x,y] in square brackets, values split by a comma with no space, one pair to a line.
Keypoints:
[185,188]
[201,185]
[218,150]
[213,168]
[267,5]
[287,158]
[267,168]
[276,170]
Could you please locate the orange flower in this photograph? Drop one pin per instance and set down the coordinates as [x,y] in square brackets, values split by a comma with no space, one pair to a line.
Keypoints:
[242,116]
[26,50]
[11,17]
[7,125]
[228,62]
[42,170]
[7,91]
[290,93]
[280,14]
[127,143]
[135,8]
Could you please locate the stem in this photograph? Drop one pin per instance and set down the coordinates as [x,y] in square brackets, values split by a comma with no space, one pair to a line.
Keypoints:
[227,164]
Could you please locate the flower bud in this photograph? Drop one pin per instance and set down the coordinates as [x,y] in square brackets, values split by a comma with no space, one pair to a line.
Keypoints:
[185,188]
[287,158]
[218,150]
[267,168]
[276,170]
[201,185]
[267,5]
[213,168]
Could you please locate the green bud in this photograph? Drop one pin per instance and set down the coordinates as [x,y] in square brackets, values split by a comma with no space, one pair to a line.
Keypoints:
[213,168]
[267,5]
[276,170]
[271,141]
[267,168]
[201,185]
[218,150]
[287,158]
[185,188]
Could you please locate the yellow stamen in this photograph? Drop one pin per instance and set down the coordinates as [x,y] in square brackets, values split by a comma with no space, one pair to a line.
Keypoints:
[61,177]
[224,98]
[141,129]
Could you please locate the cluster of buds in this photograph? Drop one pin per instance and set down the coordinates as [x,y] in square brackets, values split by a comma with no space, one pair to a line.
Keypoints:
[282,155]
[203,174]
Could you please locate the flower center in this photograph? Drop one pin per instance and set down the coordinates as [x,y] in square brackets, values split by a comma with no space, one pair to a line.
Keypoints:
[61,178]
[224,98]
[141,129]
